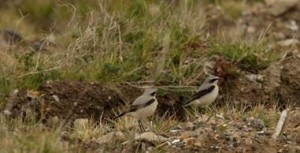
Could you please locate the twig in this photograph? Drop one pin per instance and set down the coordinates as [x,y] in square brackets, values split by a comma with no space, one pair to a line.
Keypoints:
[160,145]
[170,88]
[163,55]
[37,72]
[280,124]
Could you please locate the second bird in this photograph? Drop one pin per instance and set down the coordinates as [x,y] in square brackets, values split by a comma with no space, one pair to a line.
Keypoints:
[206,94]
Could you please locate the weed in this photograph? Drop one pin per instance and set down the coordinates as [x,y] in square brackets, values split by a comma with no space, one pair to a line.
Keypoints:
[249,57]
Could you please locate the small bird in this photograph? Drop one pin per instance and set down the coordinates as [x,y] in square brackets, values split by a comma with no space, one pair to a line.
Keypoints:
[207,92]
[144,106]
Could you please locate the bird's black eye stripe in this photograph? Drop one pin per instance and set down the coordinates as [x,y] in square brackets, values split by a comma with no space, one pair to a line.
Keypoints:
[212,80]
[152,93]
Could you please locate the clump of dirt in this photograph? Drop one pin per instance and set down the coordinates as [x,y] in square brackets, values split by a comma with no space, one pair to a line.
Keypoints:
[290,77]
[242,92]
[78,100]
[10,36]
[66,100]
[293,127]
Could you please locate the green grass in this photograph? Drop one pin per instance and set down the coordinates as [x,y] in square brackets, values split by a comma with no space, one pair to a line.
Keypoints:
[120,42]
[248,56]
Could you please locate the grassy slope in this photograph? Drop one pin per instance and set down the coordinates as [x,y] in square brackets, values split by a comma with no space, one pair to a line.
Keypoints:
[112,42]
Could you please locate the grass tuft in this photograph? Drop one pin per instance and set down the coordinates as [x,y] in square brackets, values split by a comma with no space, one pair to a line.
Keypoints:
[249,57]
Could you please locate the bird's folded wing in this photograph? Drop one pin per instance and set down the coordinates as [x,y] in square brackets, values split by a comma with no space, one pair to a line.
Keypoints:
[139,106]
[201,93]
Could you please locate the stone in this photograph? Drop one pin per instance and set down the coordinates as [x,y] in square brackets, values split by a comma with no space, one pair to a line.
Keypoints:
[150,137]
[110,138]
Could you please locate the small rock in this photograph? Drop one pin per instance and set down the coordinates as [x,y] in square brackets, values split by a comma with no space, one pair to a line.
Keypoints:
[251,77]
[32,94]
[177,143]
[110,138]
[279,7]
[56,98]
[258,124]
[189,141]
[292,25]
[151,137]
[260,132]
[251,29]
[255,77]
[260,77]
[7,112]
[202,118]
[289,42]
[52,121]
[190,126]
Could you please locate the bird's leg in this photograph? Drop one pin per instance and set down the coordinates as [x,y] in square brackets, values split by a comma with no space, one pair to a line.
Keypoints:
[201,112]
[151,124]
[213,114]
[141,126]
[195,111]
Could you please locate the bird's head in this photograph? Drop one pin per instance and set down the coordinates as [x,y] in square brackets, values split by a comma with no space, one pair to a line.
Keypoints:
[150,91]
[212,79]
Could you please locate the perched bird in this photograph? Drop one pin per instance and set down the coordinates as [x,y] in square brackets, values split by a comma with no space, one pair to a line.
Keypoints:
[206,94]
[144,106]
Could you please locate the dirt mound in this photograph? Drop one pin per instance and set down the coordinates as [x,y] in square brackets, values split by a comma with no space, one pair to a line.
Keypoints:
[72,100]
[79,100]
[277,85]
[290,77]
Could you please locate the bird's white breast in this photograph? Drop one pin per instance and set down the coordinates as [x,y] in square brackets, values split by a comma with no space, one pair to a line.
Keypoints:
[208,98]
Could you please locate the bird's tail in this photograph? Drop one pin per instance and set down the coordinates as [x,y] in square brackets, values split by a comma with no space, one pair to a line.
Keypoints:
[188,103]
[120,115]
